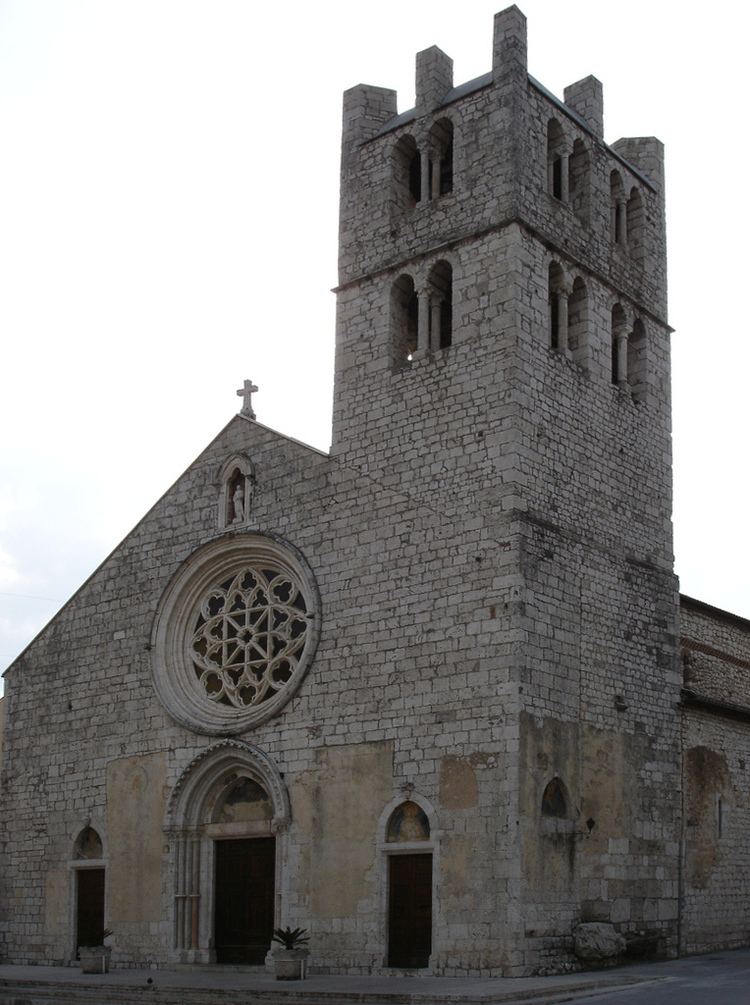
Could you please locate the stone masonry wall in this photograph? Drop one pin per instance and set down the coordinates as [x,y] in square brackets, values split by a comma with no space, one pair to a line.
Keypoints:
[539,447]
[491,540]
[409,660]
[716,760]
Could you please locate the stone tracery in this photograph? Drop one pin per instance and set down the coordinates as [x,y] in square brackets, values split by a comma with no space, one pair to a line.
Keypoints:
[248,636]
[235,633]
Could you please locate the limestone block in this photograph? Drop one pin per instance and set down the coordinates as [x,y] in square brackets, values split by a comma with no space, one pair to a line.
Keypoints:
[596,940]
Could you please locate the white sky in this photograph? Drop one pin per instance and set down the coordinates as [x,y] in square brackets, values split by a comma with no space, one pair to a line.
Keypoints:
[168,215]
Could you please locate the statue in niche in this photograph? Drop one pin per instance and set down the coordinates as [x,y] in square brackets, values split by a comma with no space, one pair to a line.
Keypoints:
[238,502]
[239,497]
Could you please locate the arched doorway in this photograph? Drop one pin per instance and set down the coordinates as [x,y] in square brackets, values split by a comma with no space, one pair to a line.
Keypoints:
[227,816]
[410,878]
[89,877]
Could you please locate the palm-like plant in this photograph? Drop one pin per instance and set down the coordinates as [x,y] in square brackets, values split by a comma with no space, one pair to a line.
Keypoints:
[291,938]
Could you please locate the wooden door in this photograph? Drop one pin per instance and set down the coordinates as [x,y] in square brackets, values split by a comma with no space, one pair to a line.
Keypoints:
[409,910]
[90,907]
[244,896]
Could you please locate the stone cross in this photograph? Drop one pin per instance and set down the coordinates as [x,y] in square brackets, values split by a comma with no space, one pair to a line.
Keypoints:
[246,393]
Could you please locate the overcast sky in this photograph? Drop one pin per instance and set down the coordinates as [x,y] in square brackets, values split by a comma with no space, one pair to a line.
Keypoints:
[168,214]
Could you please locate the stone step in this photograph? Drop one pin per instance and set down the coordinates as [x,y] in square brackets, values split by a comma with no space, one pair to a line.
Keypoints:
[134,988]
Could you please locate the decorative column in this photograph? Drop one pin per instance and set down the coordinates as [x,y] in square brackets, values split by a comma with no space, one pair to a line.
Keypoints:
[187,892]
[435,313]
[424,163]
[435,189]
[620,222]
[562,321]
[423,323]
[564,177]
[621,348]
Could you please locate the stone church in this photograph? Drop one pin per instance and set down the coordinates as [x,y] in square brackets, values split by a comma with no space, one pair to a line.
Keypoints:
[434,695]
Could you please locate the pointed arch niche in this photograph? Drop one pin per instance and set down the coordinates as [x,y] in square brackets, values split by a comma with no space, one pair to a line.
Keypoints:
[231,795]
[237,481]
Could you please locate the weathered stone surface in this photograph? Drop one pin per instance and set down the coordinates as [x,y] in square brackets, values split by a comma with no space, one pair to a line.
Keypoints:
[595,940]
[490,556]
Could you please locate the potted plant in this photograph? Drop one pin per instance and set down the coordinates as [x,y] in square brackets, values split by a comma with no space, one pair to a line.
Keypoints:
[95,959]
[290,962]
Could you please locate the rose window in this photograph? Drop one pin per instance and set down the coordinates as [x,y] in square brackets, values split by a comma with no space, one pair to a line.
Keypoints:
[248,636]
[235,633]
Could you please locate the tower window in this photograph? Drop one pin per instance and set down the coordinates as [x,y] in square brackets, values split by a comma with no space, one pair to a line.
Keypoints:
[404,321]
[441,305]
[441,158]
[415,176]
[578,322]
[556,161]
[617,208]
[579,180]
[619,338]
[635,224]
[557,313]
[637,361]
[407,174]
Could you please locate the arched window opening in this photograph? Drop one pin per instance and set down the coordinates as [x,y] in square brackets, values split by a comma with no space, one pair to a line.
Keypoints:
[407,174]
[408,822]
[441,305]
[557,309]
[555,799]
[578,322]
[617,208]
[556,161]
[579,180]
[404,321]
[88,845]
[619,347]
[441,160]
[635,218]
[415,176]
[637,361]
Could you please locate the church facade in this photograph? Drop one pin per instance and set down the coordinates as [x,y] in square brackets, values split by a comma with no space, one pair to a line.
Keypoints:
[425,695]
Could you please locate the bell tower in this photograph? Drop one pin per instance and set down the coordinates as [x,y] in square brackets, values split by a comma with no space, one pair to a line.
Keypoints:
[502,362]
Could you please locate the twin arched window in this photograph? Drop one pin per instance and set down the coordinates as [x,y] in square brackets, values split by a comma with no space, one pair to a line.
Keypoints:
[568,315]
[421,320]
[567,170]
[629,362]
[627,217]
[426,173]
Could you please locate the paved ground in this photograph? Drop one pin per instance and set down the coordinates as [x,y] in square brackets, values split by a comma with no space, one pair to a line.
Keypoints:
[718,979]
[222,985]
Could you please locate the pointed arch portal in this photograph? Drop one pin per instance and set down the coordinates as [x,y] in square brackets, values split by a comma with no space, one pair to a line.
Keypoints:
[226,816]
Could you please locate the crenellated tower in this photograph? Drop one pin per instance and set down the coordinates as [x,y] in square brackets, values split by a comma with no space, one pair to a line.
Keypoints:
[503,360]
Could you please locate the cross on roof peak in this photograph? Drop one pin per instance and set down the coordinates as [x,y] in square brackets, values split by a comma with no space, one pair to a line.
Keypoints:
[246,393]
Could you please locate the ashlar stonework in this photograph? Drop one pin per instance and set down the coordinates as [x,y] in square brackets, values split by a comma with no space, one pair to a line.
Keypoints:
[425,695]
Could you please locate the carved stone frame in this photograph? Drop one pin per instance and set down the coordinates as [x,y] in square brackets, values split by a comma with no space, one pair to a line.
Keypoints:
[385,849]
[174,678]
[199,790]
[246,468]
